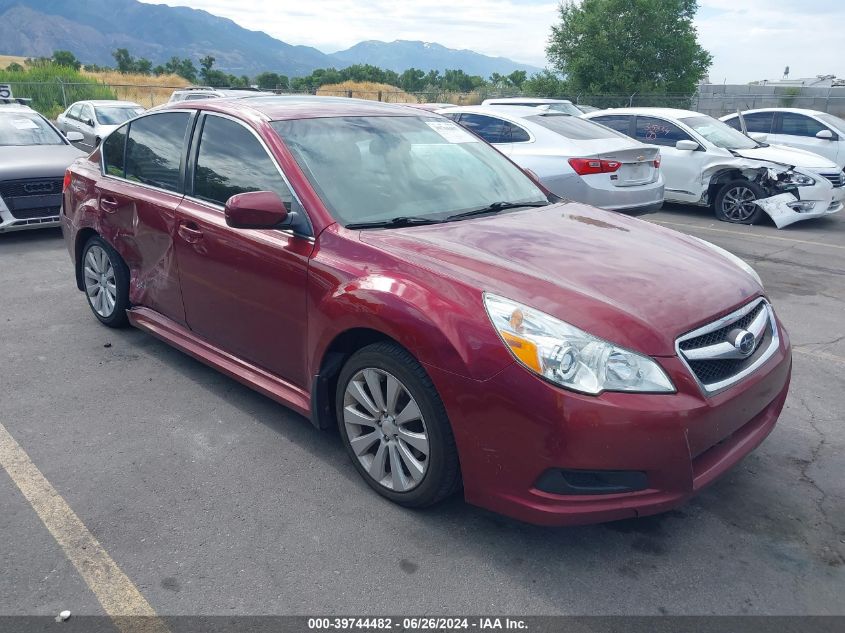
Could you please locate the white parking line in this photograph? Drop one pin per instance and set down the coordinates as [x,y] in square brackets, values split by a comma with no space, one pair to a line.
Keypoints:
[754,235]
[119,597]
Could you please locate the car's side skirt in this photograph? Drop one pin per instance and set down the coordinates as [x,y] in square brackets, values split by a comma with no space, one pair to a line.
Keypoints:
[244,372]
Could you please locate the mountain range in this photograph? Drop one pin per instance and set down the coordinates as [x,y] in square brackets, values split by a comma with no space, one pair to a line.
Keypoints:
[92,29]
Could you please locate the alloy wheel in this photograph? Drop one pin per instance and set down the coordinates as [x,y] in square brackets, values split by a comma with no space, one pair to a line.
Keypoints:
[386,429]
[100,285]
[739,203]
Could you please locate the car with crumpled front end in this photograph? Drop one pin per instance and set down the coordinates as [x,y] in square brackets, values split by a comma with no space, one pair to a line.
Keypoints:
[380,269]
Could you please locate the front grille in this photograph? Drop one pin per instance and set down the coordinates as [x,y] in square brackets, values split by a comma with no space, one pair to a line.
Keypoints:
[713,358]
[32,198]
[836,178]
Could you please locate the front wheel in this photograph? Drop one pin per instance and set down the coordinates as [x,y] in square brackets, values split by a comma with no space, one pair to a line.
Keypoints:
[394,426]
[736,202]
[105,279]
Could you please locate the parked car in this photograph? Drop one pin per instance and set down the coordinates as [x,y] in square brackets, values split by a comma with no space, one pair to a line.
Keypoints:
[430,107]
[573,158]
[205,92]
[811,130]
[380,268]
[96,119]
[33,158]
[706,162]
[556,105]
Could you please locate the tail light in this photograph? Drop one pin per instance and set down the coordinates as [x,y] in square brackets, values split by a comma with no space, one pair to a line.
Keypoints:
[66,181]
[657,162]
[585,166]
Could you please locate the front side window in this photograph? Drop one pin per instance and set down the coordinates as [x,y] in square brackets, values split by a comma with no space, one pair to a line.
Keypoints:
[27,128]
[87,115]
[799,125]
[758,122]
[377,169]
[571,127]
[74,111]
[230,161]
[659,132]
[621,124]
[154,149]
[720,134]
[113,152]
[110,115]
[489,128]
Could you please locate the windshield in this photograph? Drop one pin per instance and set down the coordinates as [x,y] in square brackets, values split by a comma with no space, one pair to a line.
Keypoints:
[719,133]
[573,127]
[115,115]
[375,169]
[27,128]
[833,121]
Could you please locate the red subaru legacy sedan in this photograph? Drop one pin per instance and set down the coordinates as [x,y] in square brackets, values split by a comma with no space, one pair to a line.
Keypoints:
[380,268]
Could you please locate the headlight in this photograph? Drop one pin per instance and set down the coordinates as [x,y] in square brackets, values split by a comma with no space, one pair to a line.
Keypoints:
[571,357]
[801,180]
[733,258]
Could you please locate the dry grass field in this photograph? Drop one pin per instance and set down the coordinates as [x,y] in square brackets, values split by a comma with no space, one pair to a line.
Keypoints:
[391,94]
[148,90]
[5,60]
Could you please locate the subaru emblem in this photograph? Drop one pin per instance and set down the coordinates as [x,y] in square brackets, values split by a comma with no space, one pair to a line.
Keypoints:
[744,342]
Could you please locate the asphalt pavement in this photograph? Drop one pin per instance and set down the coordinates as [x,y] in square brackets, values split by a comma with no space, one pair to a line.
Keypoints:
[215,500]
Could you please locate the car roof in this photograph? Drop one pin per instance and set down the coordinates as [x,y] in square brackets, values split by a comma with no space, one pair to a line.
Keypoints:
[109,102]
[15,107]
[279,108]
[795,110]
[537,100]
[668,113]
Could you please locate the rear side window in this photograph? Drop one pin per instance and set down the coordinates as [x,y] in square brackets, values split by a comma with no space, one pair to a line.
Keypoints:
[572,127]
[621,124]
[113,148]
[659,132]
[154,149]
[760,122]
[517,134]
[799,125]
[231,160]
[489,128]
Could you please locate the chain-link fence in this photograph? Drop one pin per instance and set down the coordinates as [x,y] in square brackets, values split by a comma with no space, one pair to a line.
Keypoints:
[51,98]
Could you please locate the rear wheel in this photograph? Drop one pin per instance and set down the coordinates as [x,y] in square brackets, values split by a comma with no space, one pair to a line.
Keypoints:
[394,426]
[105,279]
[736,202]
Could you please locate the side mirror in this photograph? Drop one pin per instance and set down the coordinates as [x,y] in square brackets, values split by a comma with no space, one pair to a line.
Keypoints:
[825,134]
[74,137]
[255,210]
[759,136]
[687,146]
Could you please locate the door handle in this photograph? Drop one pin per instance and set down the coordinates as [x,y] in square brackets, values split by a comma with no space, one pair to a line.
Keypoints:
[189,232]
[108,204]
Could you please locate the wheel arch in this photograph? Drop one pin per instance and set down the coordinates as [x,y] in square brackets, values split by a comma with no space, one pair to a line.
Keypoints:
[82,238]
[719,179]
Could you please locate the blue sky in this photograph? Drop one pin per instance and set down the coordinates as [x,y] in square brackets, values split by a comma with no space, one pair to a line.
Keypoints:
[749,39]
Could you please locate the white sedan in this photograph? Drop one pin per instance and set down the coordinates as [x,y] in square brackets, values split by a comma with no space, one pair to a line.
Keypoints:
[706,162]
[573,158]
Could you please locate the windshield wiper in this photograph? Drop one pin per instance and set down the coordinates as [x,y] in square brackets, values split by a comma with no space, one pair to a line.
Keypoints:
[495,208]
[402,220]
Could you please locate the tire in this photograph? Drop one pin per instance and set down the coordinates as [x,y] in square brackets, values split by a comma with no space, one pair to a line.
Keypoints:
[108,301]
[366,420]
[735,202]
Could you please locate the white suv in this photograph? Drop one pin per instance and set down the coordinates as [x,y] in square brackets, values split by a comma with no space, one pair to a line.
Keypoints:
[814,131]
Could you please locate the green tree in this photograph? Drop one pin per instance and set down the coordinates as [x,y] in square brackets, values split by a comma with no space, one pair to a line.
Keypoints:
[517,78]
[628,46]
[206,65]
[271,81]
[412,80]
[143,66]
[125,62]
[66,58]
[15,68]
[544,84]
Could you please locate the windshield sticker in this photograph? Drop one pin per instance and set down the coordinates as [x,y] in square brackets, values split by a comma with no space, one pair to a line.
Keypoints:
[452,132]
[24,124]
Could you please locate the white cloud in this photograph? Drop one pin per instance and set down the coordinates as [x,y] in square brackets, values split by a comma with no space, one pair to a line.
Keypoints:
[749,39]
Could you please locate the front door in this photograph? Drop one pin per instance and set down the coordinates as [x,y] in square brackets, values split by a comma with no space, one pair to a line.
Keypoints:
[681,168]
[244,289]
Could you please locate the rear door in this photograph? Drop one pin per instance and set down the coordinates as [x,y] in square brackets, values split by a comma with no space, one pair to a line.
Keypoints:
[494,130]
[681,169]
[137,199]
[244,289]
[799,130]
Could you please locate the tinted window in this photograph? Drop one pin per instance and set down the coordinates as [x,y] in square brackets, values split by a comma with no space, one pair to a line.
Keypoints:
[489,128]
[452,115]
[799,125]
[113,152]
[659,132]
[760,122]
[619,123]
[572,127]
[517,134]
[154,149]
[231,161]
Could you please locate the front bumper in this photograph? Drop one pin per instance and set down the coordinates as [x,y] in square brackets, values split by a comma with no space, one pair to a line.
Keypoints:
[515,427]
[9,223]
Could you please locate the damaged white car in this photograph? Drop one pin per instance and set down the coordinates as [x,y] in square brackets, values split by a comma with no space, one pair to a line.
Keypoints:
[706,162]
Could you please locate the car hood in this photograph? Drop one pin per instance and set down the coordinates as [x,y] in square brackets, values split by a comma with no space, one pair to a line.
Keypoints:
[36,161]
[620,278]
[789,156]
